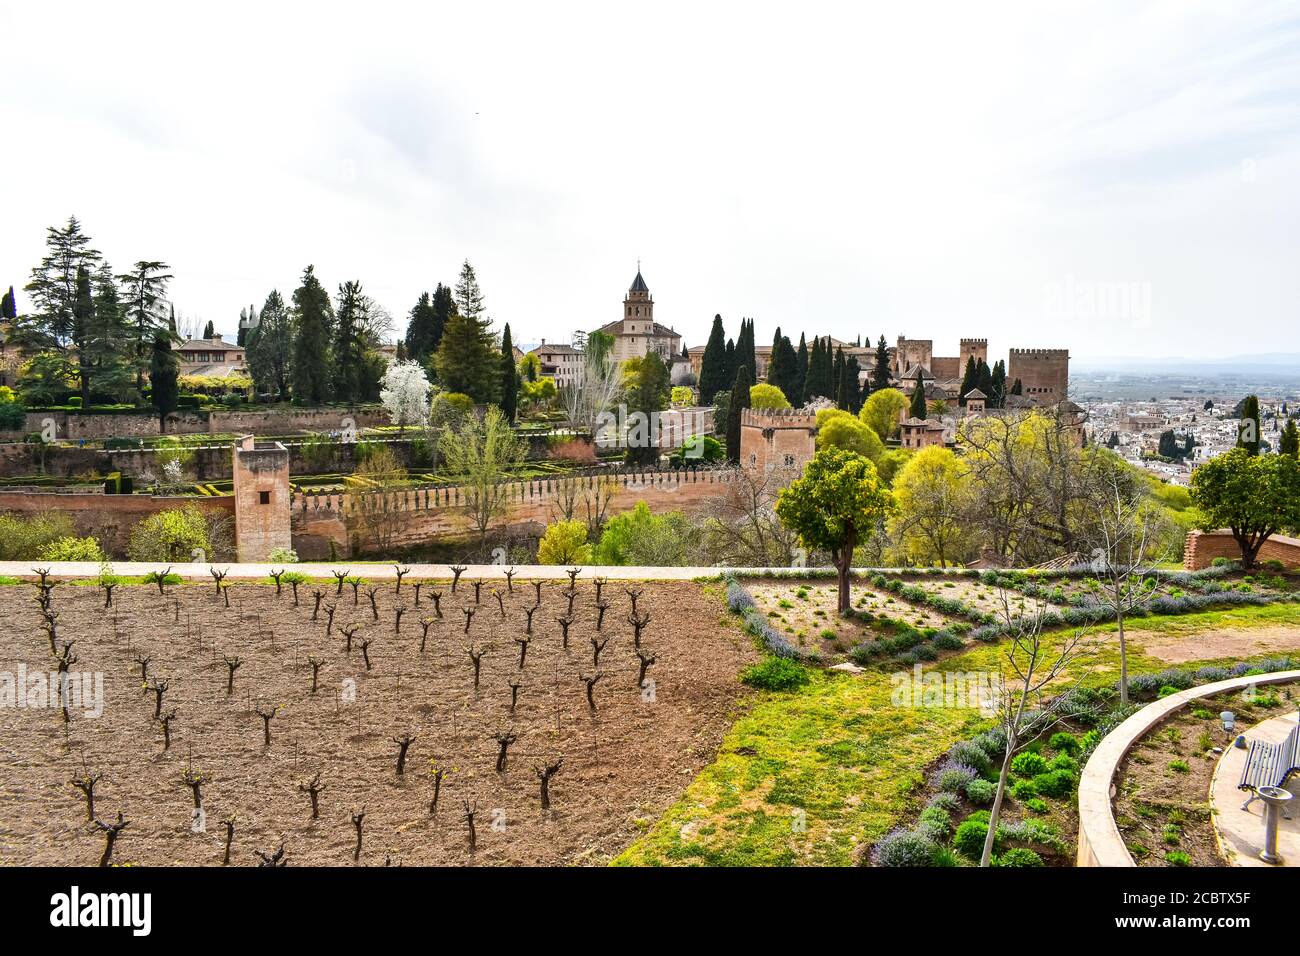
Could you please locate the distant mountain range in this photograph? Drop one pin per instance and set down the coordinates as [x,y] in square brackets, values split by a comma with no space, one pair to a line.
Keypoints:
[1279,363]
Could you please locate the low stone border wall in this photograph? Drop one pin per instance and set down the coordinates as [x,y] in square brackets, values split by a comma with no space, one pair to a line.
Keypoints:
[1100,842]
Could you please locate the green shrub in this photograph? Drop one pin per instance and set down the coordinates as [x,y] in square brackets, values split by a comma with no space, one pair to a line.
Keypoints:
[1018,856]
[73,549]
[173,535]
[24,538]
[1023,789]
[1036,805]
[282,556]
[1055,783]
[1178,858]
[935,822]
[1064,742]
[981,792]
[1063,761]
[970,836]
[775,673]
[1179,766]
[1028,764]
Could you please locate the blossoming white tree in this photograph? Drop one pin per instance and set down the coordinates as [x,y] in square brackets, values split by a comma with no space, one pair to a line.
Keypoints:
[405,393]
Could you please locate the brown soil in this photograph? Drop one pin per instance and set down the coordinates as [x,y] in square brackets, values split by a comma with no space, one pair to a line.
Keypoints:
[1160,809]
[1217,643]
[622,765]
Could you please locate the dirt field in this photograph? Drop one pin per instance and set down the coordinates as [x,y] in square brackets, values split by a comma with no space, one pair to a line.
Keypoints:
[622,764]
[1221,643]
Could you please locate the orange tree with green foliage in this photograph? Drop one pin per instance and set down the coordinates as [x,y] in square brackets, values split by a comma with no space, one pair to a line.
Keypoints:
[834,505]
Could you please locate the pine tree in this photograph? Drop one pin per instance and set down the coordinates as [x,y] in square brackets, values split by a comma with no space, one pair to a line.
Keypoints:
[799,398]
[739,402]
[109,343]
[146,290]
[444,307]
[164,369]
[918,401]
[313,325]
[209,330]
[83,322]
[509,377]
[420,328]
[880,374]
[348,352]
[713,367]
[269,347]
[468,360]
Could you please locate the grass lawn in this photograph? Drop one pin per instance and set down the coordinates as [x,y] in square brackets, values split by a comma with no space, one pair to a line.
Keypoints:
[838,750]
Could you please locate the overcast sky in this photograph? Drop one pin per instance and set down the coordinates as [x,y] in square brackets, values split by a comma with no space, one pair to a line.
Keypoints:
[1117,179]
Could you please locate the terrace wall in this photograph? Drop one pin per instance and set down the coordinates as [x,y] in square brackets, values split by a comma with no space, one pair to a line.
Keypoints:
[74,426]
[108,517]
[1202,547]
[412,517]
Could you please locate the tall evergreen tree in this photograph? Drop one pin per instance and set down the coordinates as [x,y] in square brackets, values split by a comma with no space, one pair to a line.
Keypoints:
[1289,443]
[880,376]
[444,307]
[739,402]
[509,377]
[269,347]
[812,385]
[1016,387]
[468,360]
[209,330]
[1250,432]
[800,374]
[83,330]
[713,367]
[9,305]
[730,360]
[968,380]
[420,329]
[745,348]
[919,408]
[59,327]
[313,327]
[853,385]
[348,351]
[998,396]
[110,341]
[984,377]
[146,290]
[840,377]
[782,370]
[164,371]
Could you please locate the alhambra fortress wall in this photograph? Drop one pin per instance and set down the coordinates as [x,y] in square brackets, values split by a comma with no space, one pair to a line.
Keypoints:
[418,514]
[1044,373]
[777,439]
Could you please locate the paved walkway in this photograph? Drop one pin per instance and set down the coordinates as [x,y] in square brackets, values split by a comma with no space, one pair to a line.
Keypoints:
[65,570]
[1241,832]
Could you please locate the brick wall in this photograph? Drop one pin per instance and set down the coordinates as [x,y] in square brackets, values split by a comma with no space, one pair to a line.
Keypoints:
[1202,547]
[785,439]
[419,515]
[109,518]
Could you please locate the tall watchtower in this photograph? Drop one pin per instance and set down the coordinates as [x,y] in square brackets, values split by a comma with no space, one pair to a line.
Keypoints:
[262,516]
[639,304]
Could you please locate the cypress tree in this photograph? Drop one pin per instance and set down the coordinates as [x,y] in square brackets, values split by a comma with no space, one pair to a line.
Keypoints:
[997,397]
[8,305]
[713,367]
[164,370]
[83,321]
[967,380]
[314,320]
[1249,431]
[918,400]
[1016,387]
[209,330]
[984,377]
[509,377]
[776,370]
[852,374]
[745,348]
[739,402]
[729,359]
[841,379]
[799,398]
[1289,443]
[444,307]
[880,374]
[812,385]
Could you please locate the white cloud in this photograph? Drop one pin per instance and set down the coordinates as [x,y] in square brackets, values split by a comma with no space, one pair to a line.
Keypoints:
[926,170]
